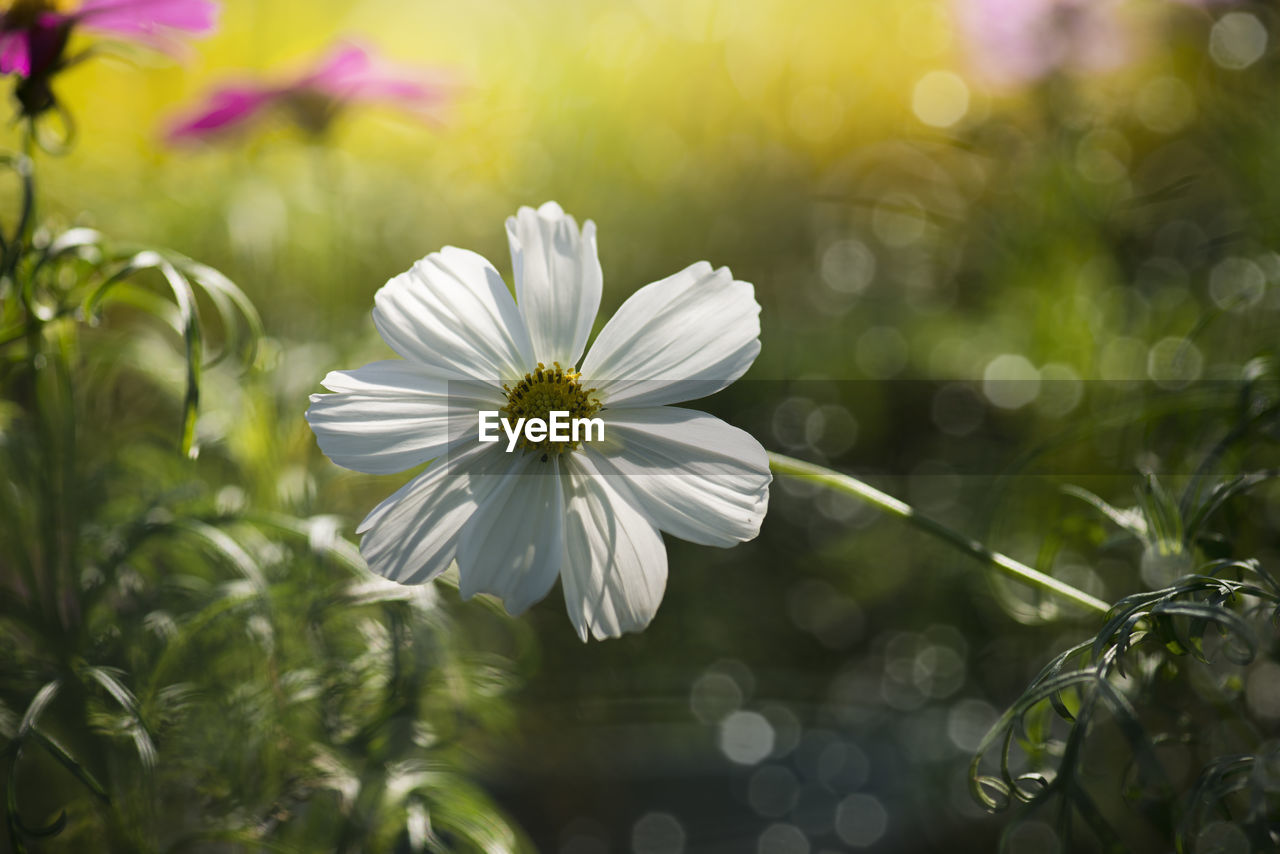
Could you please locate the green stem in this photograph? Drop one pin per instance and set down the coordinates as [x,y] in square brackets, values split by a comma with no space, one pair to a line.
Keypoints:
[886,503]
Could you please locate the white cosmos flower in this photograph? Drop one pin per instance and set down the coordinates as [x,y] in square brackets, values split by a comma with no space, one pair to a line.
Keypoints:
[589,513]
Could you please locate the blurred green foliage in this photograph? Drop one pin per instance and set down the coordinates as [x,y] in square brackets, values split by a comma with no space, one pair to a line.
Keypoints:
[208,665]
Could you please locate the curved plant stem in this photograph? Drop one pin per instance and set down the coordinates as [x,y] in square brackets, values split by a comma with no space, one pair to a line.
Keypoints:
[885,503]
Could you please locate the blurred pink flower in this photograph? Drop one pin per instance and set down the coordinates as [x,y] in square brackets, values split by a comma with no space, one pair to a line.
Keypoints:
[33,33]
[1018,41]
[348,74]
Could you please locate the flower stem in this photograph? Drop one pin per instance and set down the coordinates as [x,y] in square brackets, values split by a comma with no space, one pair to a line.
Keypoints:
[886,503]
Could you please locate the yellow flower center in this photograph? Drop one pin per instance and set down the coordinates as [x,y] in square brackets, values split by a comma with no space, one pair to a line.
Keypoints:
[544,391]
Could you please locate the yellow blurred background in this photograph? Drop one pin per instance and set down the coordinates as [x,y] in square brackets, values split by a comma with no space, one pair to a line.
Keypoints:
[732,131]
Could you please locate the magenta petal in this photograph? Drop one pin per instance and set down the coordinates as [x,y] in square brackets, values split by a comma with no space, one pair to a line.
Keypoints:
[15,53]
[347,74]
[342,65]
[146,17]
[389,89]
[353,74]
[223,109]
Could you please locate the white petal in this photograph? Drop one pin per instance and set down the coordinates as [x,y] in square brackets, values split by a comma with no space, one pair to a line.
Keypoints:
[681,338]
[695,476]
[615,568]
[453,314]
[513,546]
[558,280]
[390,416]
[412,536]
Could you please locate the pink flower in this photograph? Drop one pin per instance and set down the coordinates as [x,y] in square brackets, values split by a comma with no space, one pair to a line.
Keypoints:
[31,39]
[33,33]
[149,17]
[349,74]
[1018,41]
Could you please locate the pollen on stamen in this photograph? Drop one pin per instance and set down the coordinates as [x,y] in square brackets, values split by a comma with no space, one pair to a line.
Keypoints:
[543,391]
